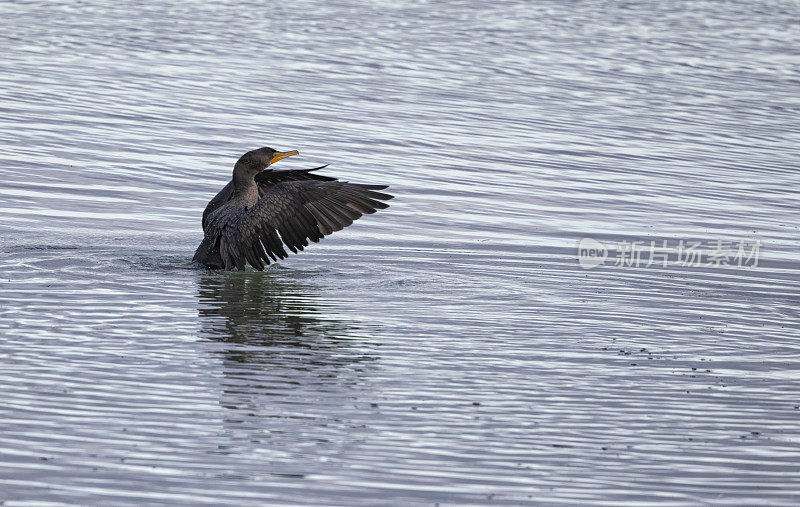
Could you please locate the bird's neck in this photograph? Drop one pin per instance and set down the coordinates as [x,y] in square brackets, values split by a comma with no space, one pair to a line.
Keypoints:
[245,188]
[243,182]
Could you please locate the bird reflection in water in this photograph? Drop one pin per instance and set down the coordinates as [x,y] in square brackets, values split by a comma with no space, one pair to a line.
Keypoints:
[289,371]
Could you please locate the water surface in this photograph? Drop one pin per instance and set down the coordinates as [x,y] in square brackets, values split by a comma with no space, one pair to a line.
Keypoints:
[448,350]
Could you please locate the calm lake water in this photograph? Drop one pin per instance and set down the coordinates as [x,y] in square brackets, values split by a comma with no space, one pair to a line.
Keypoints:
[450,349]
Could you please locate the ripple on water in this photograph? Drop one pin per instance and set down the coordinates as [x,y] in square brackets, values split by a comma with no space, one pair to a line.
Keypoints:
[448,350]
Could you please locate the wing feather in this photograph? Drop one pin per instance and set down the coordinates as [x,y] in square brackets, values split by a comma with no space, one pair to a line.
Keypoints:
[221,198]
[324,226]
[292,213]
[268,178]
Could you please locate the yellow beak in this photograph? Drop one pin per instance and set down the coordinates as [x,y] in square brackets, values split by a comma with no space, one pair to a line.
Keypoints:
[283,154]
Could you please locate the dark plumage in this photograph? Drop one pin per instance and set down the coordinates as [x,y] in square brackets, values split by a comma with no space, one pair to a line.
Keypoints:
[261,211]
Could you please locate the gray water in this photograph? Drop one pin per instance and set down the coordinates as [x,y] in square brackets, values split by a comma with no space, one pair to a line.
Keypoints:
[450,349]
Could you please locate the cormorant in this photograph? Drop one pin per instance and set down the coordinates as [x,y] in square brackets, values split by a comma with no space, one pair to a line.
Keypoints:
[243,221]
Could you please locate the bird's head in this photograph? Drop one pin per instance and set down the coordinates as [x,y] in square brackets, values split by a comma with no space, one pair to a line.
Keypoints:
[255,161]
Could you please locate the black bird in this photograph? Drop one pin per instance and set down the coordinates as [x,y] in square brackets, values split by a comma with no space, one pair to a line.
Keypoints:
[262,210]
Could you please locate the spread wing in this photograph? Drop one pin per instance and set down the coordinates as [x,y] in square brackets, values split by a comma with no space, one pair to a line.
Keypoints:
[269,177]
[221,198]
[292,213]
[265,180]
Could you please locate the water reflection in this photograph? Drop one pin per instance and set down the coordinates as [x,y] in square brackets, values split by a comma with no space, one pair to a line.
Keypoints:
[288,368]
[261,309]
